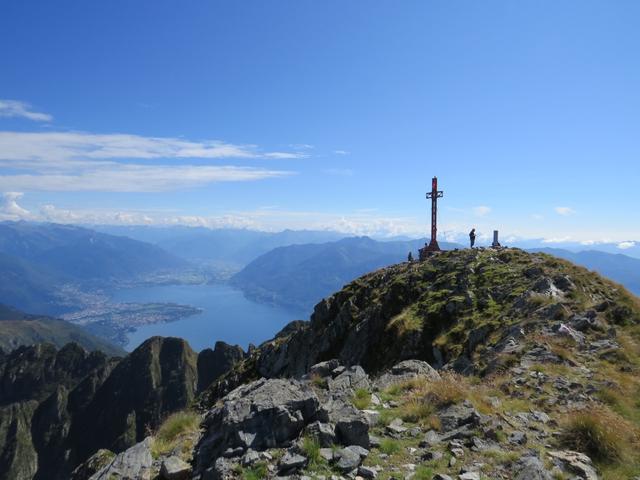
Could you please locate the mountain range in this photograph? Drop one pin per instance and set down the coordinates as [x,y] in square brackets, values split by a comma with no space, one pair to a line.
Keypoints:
[299,276]
[36,260]
[223,248]
[473,364]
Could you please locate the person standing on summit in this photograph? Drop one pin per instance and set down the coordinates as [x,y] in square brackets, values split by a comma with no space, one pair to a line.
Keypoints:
[472,237]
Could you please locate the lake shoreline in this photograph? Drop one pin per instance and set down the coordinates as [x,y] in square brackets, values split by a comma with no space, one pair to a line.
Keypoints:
[223,313]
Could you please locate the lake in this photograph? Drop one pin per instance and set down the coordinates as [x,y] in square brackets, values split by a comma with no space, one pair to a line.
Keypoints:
[227,315]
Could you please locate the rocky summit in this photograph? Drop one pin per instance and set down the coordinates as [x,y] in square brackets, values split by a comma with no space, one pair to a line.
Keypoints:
[474,364]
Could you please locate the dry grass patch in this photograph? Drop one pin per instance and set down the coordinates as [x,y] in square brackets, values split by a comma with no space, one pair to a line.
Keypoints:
[600,433]
[417,410]
[178,430]
[448,390]
[411,385]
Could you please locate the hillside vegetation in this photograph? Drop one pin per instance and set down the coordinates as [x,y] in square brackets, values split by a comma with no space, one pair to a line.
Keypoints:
[475,364]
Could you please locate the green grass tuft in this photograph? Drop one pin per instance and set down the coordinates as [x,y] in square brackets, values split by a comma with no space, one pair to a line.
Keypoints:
[256,472]
[311,449]
[390,446]
[361,398]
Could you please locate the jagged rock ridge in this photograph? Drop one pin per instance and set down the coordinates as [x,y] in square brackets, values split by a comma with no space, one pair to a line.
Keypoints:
[58,407]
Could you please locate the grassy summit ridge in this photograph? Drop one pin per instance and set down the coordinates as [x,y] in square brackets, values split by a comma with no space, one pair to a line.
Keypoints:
[457,308]
[548,351]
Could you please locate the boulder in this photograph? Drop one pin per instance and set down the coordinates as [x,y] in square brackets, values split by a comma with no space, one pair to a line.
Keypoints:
[575,462]
[404,371]
[347,460]
[349,381]
[324,433]
[173,468]
[531,468]
[133,463]
[260,415]
[456,416]
[324,369]
[291,462]
[352,426]
[367,472]
[469,476]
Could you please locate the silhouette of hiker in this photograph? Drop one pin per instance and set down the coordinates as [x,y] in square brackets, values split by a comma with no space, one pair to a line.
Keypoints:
[472,237]
[410,257]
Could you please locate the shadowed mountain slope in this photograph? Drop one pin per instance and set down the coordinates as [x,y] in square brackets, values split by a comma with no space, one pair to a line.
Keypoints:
[18,328]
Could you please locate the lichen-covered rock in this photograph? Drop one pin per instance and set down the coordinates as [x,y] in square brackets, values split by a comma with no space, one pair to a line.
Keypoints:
[323,433]
[352,379]
[347,460]
[291,462]
[531,468]
[456,416]
[406,370]
[174,468]
[352,425]
[263,414]
[132,464]
[575,462]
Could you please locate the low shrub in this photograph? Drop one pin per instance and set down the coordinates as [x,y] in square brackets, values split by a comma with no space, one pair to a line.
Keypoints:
[599,432]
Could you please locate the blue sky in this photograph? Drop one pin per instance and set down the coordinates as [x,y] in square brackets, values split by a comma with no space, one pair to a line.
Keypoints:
[324,114]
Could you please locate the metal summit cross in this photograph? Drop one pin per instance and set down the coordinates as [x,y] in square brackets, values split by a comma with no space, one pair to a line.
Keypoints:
[434,195]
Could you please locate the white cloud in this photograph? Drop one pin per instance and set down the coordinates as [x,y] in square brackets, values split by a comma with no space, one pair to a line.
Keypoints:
[267,219]
[78,161]
[135,178]
[564,211]
[285,155]
[59,147]
[556,239]
[341,152]
[9,208]
[481,210]
[17,109]
[626,245]
[537,216]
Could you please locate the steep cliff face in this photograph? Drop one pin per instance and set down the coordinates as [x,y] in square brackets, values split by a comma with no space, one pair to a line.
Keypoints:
[158,378]
[455,309]
[58,407]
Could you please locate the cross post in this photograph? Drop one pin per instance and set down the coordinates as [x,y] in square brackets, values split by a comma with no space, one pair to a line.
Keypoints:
[433,195]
